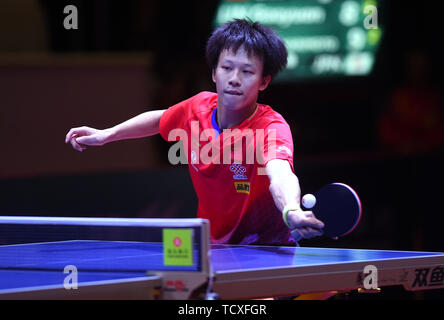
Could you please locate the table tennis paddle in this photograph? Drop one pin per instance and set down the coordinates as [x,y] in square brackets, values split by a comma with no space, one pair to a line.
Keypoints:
[338,206]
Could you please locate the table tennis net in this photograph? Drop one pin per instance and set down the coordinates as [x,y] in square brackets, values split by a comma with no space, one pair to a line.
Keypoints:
[109,244]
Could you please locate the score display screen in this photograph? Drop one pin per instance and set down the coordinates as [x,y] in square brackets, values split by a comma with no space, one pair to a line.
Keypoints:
[324,38]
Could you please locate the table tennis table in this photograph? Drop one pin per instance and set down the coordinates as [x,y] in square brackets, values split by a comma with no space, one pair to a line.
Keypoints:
[137,270]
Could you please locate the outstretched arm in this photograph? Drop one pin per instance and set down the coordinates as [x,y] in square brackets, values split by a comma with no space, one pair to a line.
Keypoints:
[286,192]
[143,125]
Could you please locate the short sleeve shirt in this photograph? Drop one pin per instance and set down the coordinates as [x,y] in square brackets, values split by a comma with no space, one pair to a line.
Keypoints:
[227,168]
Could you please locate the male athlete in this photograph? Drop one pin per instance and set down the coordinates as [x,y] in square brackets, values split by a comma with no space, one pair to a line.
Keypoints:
[239,152]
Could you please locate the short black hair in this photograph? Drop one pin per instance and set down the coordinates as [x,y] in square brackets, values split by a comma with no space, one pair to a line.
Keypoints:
[256,38]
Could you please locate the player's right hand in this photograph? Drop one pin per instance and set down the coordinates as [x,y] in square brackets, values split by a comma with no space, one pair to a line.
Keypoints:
[86,136]
[305,223]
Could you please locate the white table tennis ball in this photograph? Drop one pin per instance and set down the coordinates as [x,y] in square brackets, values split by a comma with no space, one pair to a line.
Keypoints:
[308,201]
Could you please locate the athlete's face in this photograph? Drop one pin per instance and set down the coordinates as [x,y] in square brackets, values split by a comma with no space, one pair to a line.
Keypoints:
[238,78]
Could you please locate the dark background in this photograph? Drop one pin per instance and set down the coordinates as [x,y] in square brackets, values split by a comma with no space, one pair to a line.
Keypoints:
[382,134]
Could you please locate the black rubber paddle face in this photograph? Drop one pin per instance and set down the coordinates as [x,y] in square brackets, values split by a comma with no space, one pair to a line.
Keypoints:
[339,208]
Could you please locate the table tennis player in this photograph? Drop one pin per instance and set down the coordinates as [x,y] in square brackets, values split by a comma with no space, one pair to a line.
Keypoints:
[246,202]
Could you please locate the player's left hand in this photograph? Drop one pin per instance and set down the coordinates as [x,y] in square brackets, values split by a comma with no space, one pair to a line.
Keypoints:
[305,223]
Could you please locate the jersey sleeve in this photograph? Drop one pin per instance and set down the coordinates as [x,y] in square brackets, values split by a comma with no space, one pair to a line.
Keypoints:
[278,143]
[175,118]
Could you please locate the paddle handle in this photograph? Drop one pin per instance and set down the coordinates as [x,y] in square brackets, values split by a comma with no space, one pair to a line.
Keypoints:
[295,235]
[308,202]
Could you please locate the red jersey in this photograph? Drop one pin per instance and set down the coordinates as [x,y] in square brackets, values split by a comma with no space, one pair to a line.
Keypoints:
[228,168]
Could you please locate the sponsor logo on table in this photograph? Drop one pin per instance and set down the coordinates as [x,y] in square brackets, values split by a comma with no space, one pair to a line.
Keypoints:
[428,277]
[175,286]
[417,279]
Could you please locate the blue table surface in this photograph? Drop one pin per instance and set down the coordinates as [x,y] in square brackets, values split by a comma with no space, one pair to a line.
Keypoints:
[43,263]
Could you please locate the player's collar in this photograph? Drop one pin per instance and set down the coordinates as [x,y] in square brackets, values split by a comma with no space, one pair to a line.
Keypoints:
[253,114]
[216,124]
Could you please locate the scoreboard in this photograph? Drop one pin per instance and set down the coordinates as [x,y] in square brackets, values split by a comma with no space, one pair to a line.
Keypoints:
[324,38]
